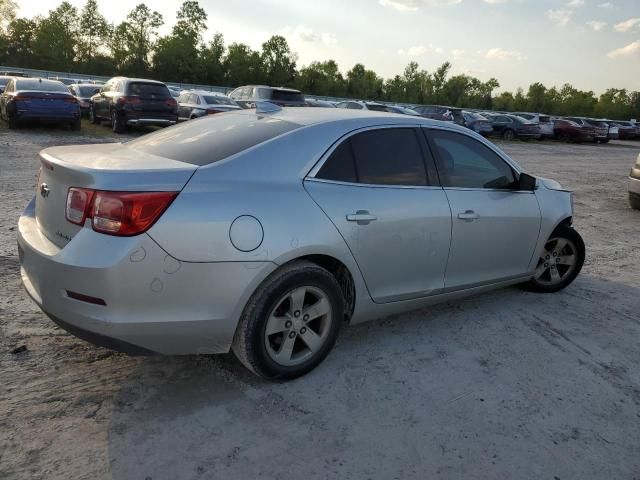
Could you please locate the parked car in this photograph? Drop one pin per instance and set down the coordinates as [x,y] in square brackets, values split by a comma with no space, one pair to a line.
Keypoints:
[613,132]
[175,91]
[29,99]
[199,103]
[361,105]
[545,122]
[248,95]
[626,130]
[570,131]
[66,81]
[634,185]
[510,127]
[402,110]
[473,121]
[314,102]
[234,233]
[133,102]
[9,73]
[3,82]
[435,112]
[83,93]
[601,129]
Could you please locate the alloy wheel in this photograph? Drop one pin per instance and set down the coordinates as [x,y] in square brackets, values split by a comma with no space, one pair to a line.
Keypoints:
[557,262]
[298,326]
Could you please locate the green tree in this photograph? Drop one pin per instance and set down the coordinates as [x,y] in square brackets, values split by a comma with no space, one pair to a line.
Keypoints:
[321,78]
[94,30]
[56,38]
[242,65]
[8,10]
[212,59]
[278,61]
[19,41]
[364,84]
[140,30]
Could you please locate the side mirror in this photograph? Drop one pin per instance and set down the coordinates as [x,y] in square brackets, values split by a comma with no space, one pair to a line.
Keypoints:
[526,182]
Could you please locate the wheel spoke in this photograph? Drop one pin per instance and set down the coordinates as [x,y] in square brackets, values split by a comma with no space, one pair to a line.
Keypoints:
[276,325]
[285,352]
[555,276]
[560,245]
[318,309]
[566,260]
[297,299]
[312,339]
[540,270]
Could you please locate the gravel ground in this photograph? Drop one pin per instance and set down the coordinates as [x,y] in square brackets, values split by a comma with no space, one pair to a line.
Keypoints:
[509,385]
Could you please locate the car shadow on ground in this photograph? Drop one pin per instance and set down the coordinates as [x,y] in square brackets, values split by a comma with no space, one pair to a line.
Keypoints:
[509,384]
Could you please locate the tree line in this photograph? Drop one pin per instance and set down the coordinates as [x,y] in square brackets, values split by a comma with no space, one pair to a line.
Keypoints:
[83,41]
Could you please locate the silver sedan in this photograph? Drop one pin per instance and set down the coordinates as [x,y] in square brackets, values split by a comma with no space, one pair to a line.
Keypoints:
[264,232]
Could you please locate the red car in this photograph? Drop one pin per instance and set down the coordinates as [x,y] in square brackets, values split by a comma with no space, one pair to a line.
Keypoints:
[570,131]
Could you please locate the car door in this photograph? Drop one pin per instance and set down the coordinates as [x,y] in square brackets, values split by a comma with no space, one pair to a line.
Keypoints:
[3,98]
[377,187]
[495,226]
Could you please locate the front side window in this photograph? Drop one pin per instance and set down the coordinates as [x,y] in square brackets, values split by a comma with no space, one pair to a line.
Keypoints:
[391,156]
[464,162]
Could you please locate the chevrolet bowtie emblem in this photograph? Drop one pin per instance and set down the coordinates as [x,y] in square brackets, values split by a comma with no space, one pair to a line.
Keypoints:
[44,190]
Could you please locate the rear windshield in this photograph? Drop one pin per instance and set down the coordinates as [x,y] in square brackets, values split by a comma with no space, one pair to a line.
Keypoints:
[87,91]
[41,86]
[545,119]
[154,90]
[287,96]
[212,139]
[212,100]
[377,108]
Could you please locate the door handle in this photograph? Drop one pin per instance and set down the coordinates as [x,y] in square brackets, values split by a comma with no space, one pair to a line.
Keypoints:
[468,216]
[362,217]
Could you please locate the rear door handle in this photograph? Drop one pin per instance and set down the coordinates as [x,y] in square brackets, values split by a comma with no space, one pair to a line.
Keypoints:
[362,217]
[468,216]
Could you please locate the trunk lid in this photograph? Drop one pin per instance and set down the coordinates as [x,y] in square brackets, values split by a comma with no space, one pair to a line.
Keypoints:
[112,167]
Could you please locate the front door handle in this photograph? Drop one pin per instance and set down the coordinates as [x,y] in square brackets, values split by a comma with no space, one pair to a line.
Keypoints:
[362,217]
[468,216]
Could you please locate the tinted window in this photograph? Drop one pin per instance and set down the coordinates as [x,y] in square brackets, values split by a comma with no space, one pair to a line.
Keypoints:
[342,105]
[216,138]
[389,157]
[354,106]
[152,90]
[86,91]
[4,81]
[41,86]
[287,96]
[377,108]
[466,163]
[340,166]
[214,100]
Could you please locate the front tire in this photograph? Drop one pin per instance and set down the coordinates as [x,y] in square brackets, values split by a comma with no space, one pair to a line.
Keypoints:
[116,123]
[76,124]
[560,262]
[290,323]
[12,122]
[508,134]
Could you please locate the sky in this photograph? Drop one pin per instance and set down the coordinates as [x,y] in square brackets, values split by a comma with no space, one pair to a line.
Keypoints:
[592,44]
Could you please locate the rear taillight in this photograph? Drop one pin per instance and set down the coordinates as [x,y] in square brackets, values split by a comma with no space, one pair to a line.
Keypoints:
[117,213]
[78,205]
[171,102]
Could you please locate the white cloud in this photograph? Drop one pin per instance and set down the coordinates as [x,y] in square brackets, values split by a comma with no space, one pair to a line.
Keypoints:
[412,5]
[457,53]
[626,51]
[559,17]
[501,54]
[627,24]
[495,2]
[305,34]
[419,50]
[605,5]
[596,25]
[575,3]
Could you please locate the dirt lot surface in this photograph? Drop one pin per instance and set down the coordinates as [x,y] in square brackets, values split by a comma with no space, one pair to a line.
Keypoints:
[509,385]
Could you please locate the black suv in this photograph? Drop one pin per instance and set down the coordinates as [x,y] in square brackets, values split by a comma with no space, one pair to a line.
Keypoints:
[248,95]
[133,101]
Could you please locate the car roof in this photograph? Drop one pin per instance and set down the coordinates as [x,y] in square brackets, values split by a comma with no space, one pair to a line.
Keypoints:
[145,80]
[205,92]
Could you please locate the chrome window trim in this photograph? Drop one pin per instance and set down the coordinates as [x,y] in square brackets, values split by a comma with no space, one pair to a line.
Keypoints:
[373,185]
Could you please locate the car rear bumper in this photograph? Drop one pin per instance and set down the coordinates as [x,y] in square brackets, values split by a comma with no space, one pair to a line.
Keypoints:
[152,122]
[128,294]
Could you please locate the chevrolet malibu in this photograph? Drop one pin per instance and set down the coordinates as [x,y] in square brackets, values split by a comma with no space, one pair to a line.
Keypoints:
[265,231]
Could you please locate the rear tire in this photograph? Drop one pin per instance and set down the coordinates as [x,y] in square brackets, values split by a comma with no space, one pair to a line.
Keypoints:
[116,123]
[290,323]
[12,122]
[508,134]
[634,201]
[560,262]
[92,116]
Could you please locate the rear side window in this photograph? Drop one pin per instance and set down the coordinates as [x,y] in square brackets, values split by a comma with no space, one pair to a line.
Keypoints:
[151,90]
[377,108]
[464,162]
[213,139]
[216,100]
[390,156]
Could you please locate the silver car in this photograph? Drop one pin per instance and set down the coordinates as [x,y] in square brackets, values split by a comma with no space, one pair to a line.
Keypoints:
[264,231]
[634,185]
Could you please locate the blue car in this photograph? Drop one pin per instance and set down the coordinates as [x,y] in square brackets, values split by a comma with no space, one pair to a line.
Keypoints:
[26,99]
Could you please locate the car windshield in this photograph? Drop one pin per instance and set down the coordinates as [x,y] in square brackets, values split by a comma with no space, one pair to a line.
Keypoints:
[214,100]
[213,139]
[154,90]
[41,85]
